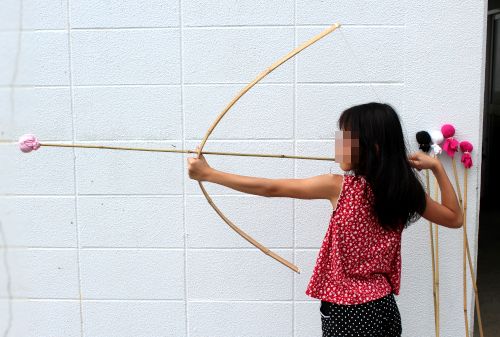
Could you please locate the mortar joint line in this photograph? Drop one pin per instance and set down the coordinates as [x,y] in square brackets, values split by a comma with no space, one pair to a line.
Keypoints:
[184,166]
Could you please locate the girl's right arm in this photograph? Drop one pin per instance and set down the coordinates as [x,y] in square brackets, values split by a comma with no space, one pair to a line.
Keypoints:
[448,213]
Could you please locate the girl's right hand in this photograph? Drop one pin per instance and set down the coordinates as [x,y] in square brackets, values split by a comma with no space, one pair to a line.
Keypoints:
[421,160]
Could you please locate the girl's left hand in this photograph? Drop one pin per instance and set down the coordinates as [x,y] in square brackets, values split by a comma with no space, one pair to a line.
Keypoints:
[198,168]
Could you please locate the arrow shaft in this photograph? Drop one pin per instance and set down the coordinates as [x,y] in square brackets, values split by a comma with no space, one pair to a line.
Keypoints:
[187,151]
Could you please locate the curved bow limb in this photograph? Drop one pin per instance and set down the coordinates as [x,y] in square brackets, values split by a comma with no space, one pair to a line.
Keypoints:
[263,74]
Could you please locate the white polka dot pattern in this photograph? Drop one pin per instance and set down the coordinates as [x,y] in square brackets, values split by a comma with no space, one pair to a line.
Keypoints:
[377,318]
[359,261]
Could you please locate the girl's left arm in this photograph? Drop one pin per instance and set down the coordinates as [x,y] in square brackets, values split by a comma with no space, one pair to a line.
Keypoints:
[325,186]
[246,184]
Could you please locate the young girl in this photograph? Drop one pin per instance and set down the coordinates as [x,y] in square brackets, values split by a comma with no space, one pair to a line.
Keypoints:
[358,266]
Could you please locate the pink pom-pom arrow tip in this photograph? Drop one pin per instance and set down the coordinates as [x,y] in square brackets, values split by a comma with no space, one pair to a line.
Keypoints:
[28,143]
[466,147]
[450,145]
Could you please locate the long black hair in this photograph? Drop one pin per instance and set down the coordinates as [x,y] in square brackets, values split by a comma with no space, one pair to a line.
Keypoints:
[399,194]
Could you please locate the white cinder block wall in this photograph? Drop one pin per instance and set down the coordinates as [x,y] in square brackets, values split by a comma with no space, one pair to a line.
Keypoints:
[119,243]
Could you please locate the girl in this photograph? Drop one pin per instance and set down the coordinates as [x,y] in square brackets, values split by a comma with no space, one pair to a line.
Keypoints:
[358,266]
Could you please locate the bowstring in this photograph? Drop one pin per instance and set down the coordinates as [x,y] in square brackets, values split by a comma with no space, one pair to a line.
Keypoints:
[357,61]
[341,30]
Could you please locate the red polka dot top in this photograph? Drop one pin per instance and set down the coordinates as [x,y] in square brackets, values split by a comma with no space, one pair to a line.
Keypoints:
[358,261]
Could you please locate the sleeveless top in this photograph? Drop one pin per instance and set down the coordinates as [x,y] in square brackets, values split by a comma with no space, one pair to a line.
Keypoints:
[358,261]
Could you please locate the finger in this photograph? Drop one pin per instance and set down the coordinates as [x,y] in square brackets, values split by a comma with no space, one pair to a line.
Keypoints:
[197,150]
[413,163]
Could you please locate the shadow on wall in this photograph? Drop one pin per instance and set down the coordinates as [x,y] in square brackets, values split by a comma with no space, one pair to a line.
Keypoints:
[488,273]
[488,268]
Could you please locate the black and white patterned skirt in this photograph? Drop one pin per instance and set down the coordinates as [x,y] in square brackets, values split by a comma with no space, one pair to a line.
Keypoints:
[377,318]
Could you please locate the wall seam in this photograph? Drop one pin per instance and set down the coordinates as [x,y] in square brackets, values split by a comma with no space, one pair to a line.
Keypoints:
[184,169]
[294,201]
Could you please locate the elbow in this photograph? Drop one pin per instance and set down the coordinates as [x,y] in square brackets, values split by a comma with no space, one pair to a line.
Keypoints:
[459,221]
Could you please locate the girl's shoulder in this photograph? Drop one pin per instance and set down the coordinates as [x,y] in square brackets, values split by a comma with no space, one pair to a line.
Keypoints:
[358,184]
[350,178]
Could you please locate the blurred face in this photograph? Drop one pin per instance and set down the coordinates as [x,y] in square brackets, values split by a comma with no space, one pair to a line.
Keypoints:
[346,149]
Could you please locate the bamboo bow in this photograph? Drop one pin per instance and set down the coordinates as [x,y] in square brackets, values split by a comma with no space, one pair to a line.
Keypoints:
[263,74]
